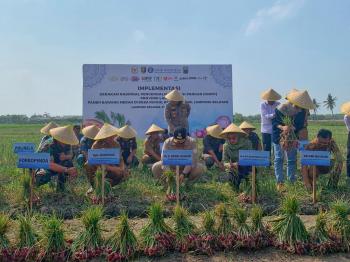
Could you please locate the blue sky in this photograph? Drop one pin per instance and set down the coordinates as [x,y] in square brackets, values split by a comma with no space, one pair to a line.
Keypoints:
[280,44]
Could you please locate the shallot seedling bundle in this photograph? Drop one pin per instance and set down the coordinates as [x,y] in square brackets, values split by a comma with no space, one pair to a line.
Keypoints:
[27,239]
[289,229]
[185,239]
[206,241]
[288,139]
[123,243]
[157,237]
[224,228]
[88,244]
[339,222]
[260,233]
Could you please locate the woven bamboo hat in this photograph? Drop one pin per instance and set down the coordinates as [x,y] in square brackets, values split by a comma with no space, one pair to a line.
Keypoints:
[301,99]
[175,96]
[154,128]
[107,130]
[214,131]
[65,135]
[90,131]
[345,108]
[246,125]
[127,132]
[232,128]
[270,95]
[46,129]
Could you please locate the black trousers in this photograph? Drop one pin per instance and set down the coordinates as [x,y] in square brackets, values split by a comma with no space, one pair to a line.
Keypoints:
[348,157]
[266,140]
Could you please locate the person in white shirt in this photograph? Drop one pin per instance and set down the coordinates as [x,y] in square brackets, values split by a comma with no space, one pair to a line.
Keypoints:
[267,110]
[345,109]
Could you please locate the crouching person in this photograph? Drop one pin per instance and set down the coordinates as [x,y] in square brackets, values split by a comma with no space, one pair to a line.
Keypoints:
[86,143]
[152,152]
[213,146]
[60,150]
[127,140]
[249,129]
[324,142]
[106,139]
[181,141]
[236,139]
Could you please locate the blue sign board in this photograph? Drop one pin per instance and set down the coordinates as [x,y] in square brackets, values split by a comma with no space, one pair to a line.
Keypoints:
[315,158]
[33,160]
[23,148]
[177,157]
[104,156]
[254,158]
[303,144]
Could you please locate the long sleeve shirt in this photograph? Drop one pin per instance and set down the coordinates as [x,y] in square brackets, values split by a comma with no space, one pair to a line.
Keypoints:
[347,122]
[267,113]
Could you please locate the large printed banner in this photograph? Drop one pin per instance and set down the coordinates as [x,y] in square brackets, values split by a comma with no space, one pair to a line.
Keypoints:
[134,94]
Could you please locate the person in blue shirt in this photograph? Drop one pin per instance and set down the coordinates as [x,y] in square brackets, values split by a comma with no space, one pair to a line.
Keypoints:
[86,143]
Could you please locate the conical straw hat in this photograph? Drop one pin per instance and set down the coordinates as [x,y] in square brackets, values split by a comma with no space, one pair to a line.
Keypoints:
[291,91]
[46,129]
[214,131]
[107,130]
[345,108]
[154,128]
[301,99]
[232,128]
[127,132]
[90,131]
[65,135]
[175,96]
[270,95]
[246,125]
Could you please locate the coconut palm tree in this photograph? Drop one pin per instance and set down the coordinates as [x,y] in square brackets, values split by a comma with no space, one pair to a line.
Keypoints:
[102,115]
[329,103]
[317,106]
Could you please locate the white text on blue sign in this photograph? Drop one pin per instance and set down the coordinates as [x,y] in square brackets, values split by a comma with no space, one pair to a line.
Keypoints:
[177,157]
[254,158]
[23,148]
[104,156]
[315,158]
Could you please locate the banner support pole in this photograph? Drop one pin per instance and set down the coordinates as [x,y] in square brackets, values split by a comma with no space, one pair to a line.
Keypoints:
[314,174]
[103,184]
[253,184]
[177,185]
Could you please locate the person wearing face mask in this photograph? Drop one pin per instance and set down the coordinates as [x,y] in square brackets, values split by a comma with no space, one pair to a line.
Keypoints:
[289,117]
[324,142]
[152,152]
[127,140]
[236,139]
[180,141]
[176,111]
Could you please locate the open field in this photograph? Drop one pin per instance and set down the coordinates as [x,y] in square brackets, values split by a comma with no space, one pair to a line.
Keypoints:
[136,194]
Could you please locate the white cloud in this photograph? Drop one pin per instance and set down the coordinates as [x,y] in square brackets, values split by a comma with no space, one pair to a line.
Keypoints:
[280,10]
[138,36]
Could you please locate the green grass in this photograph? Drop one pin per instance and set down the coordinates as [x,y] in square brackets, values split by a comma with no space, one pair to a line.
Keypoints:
[140,190]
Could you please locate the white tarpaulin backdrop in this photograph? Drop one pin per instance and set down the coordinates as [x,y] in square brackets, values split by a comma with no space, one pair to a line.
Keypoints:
[134,94]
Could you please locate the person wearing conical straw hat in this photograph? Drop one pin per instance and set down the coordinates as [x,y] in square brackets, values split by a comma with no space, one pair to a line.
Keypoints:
[267,112]
[60,150]
[180,141]
[288,121]
[86,142]
[236,139]
[213,146]
[127,140]
[47,137]
[152,151]
[248,128]
[345,109]
[176,111]
[106,139]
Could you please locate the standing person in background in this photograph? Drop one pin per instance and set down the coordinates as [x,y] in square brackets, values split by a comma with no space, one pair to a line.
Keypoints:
[248,128]
[213,146]
[267,110]
[345,109]
[176,111]
[288,121]
[46,131]
[127,140]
